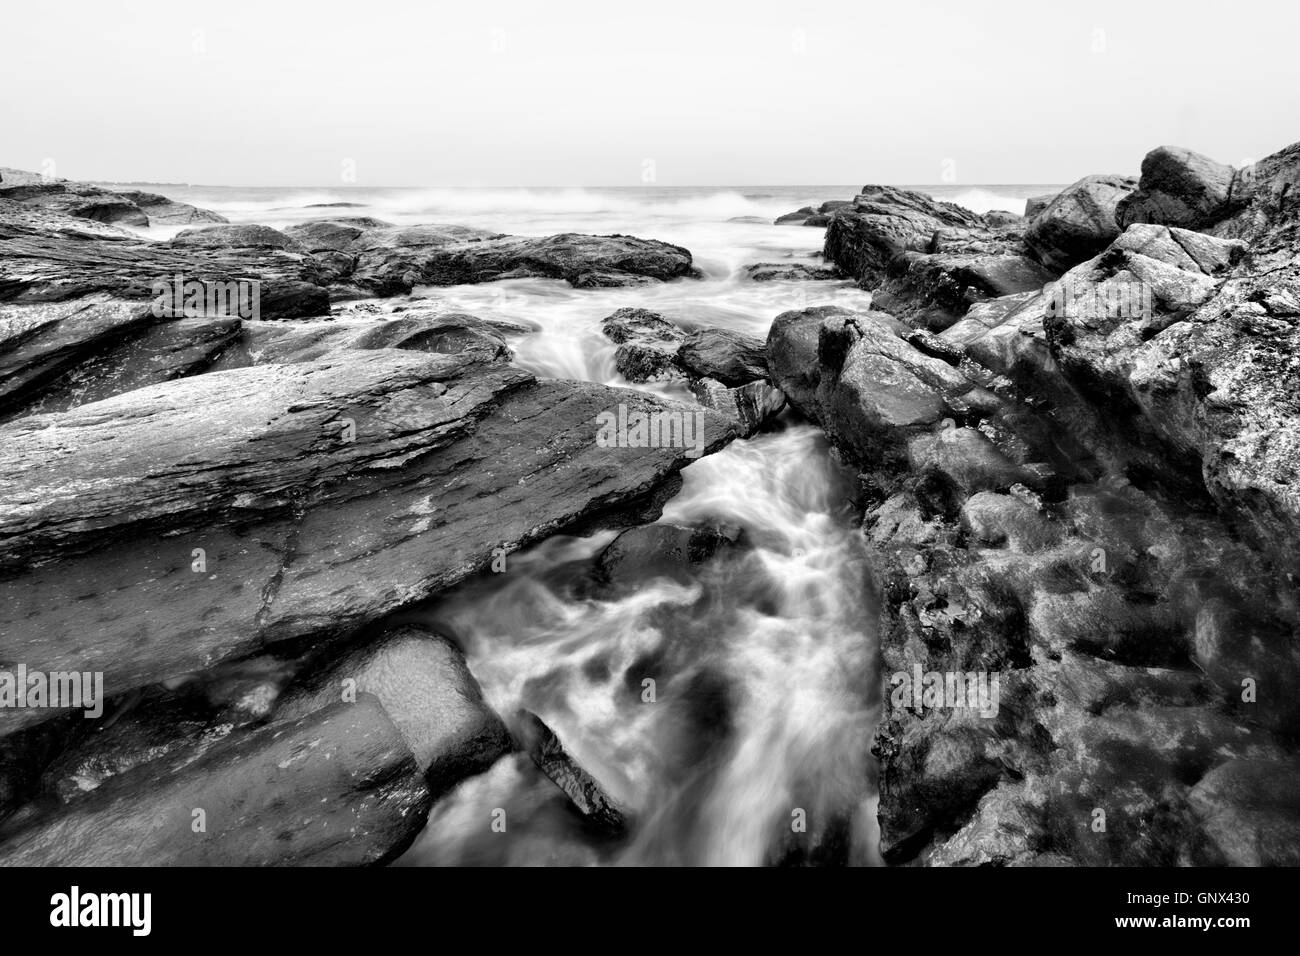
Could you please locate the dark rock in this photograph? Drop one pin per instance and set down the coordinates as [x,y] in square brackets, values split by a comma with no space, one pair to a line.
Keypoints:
[57,356]
[425,687]
[1079,223]
[868,389]
[84,201]
[647,344]
[336,788]
[393,261]
[50,257]
[586,795]
[1001,218]
[659,550]
[928,261]
[789,272]
[1179,188]
[239,236]
[1036,204]
[732,358]
[324,495]
[750,406]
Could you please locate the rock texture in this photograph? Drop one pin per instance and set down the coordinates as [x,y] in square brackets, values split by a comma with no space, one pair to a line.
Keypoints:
[84,201]
[1180,188]
[1090,498]
[190,521]
[647,344]
[336,788]
[1079,222]
[929,261]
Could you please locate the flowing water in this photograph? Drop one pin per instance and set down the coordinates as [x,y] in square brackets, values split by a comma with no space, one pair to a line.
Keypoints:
[765,693]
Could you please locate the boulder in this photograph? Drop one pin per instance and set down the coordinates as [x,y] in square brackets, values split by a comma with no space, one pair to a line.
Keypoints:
[1079,223]
[751,405]
[1250,811]
[336,788]
[240,236]
[1179,187]
[732,358]
[659,550]
[425,687]
[647,344]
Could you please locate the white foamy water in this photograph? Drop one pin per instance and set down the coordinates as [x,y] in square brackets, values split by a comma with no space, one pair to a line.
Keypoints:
[765,669]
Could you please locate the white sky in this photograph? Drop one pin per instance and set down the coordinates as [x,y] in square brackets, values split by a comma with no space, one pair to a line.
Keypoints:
[560,92]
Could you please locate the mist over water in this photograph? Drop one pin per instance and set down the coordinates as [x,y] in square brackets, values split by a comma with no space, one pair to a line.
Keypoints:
[765,668]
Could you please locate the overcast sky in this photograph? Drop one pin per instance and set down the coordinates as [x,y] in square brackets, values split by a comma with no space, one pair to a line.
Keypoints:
[557,92]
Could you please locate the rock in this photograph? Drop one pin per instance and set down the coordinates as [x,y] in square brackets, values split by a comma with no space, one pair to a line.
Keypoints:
[56,356]
[202,518]
[732,358]
[393,261]
[336,788]
[810,216]
[84,201]
[789,272]
[928,261]
[162,211]
[586,795]
[1250,810]
[1003,218]
[1079,223]
[795,218]
[659,550]
[750,405]
[330,235]
[50,257]
[235,237]
[334,205]
[425,687]
[995,519]
[1036,204]
[868,389]
[647,344]
[1179,188]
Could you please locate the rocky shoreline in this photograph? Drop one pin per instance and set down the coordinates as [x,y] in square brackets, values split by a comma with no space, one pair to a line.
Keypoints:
[1095,503]
[1076,436]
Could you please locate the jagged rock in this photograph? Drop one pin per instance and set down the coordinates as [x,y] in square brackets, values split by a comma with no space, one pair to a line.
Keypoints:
[56,356]
[647,344]
[322,496]
[582,789]
[1179,188]
[167,212]
[813,216]
[789,272]
[732,358]
[336,788]
[868,389]
[750,405]
[50,257]
[84,201]
[425,687]
[1079,222]
[928,261]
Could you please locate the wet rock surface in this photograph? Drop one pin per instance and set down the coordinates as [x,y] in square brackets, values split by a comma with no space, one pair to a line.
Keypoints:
[1078,502]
